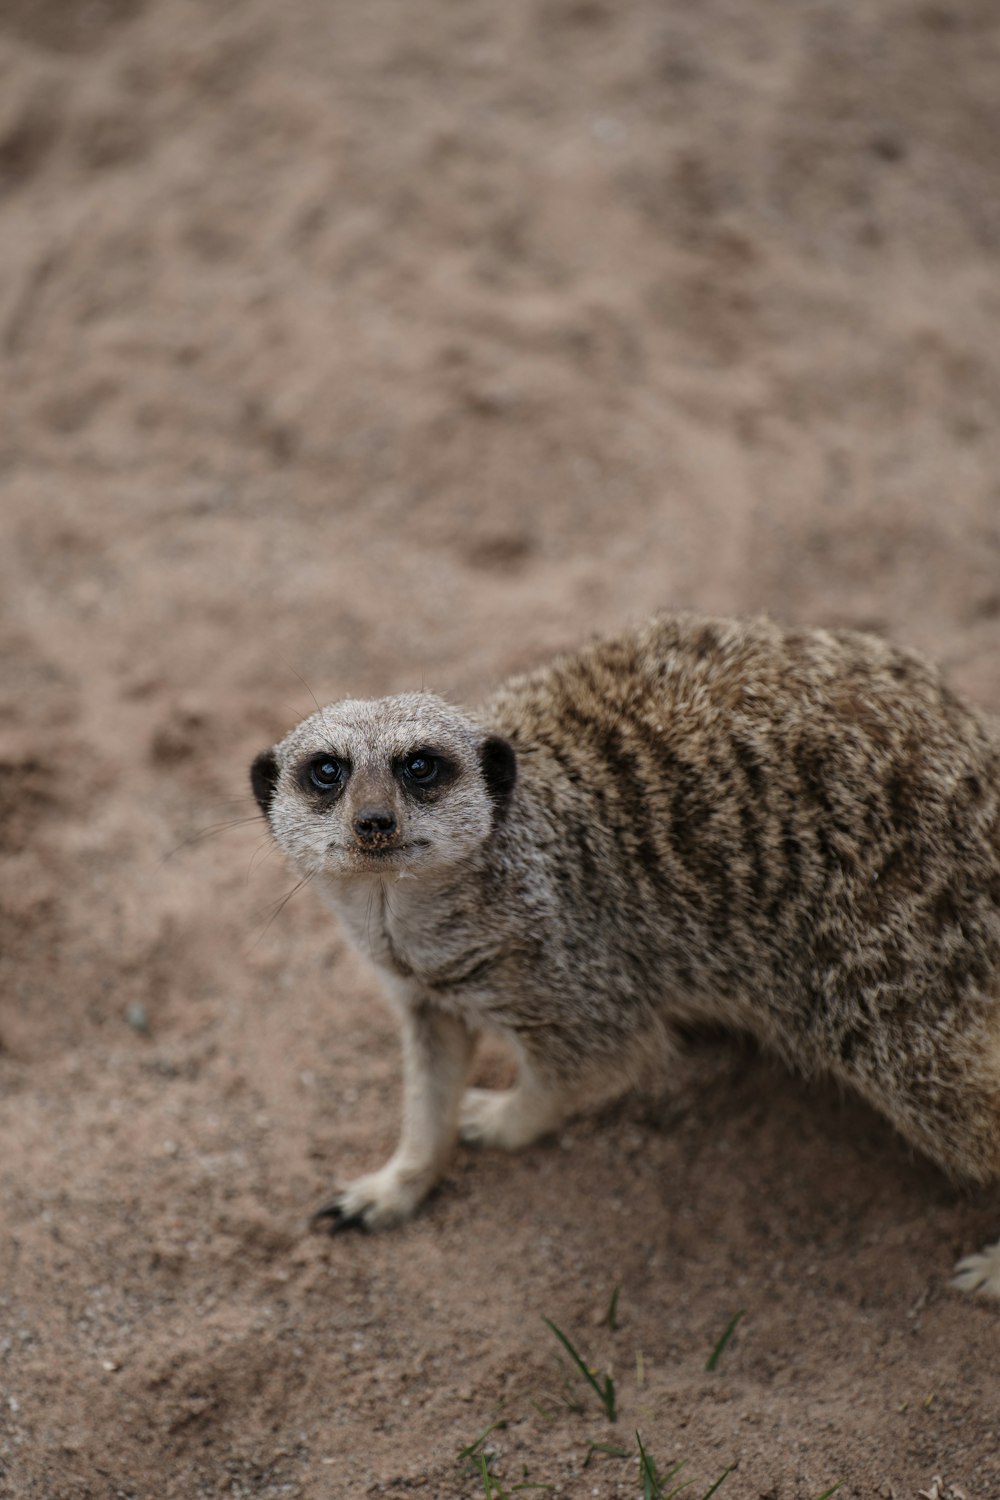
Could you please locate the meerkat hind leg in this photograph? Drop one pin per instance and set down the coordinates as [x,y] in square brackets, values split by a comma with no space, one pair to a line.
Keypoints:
[436,1052]
[979,1274]
[509,1119]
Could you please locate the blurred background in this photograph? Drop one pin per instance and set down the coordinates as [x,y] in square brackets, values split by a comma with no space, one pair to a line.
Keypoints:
[380,345]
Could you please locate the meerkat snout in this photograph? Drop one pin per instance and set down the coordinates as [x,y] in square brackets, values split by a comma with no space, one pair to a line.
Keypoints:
[792,832]
[375,825]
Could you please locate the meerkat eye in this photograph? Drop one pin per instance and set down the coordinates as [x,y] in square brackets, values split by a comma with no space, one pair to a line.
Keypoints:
[421,768]
[326,773]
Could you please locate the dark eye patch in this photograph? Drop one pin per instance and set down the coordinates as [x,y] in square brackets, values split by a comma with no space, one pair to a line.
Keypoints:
[324,775]
[424,773]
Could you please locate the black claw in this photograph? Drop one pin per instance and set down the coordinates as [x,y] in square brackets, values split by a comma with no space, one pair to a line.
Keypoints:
[332,1217]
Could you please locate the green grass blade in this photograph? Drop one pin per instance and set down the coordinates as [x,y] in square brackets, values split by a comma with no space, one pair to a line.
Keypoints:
[604,1448]
[725,1475]
[832,1490]
[647,1472]
[727,1334]
[470,1450]
[606,1393]
[484,1473]
[612,1314]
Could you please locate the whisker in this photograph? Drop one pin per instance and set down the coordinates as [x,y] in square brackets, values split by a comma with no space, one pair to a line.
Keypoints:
[388,903]
[207,833]
[299,675]
[229,808]
[396,917]
[244,799]
[370,912]
[269,847]
[279,908]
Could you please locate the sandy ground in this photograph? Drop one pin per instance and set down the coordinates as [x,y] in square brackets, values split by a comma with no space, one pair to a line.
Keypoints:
[385,344]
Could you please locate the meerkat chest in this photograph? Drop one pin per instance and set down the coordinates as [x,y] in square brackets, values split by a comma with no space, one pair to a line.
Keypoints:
[411,933]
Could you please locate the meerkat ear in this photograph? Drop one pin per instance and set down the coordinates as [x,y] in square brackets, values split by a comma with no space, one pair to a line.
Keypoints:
[264,779]
[499,765]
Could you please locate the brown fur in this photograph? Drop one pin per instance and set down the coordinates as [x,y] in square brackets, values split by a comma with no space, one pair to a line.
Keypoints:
[791,832]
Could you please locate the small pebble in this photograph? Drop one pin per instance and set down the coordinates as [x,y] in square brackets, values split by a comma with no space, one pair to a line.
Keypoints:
[137,1018]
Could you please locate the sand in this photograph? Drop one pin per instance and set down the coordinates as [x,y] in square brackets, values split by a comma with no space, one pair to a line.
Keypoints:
[348,348]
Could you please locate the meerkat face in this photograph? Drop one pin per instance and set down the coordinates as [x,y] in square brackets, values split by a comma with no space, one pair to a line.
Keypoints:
[400,785]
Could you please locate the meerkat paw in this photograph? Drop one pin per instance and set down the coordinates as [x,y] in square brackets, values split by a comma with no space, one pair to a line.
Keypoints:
[379,1200]
[979,1275]
[503,1118]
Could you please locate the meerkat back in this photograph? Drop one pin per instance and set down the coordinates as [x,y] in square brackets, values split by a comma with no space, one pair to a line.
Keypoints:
[805,829]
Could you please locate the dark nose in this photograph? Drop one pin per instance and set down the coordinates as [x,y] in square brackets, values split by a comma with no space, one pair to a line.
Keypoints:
[373,825]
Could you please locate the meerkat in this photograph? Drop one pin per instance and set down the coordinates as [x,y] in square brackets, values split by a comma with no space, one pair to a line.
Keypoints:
[794,833]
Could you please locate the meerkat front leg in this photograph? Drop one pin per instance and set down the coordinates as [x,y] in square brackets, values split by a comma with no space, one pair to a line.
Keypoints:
[436,1053]
[510,1119]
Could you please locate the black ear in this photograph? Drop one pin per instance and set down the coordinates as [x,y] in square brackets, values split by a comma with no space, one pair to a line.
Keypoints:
[499,765]
[264,779]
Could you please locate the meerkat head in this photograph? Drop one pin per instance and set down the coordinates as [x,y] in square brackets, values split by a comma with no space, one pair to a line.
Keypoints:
[398,785]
